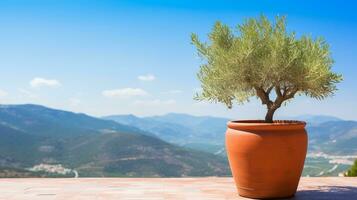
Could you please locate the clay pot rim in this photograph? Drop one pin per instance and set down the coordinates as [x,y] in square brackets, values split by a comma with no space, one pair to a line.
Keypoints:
[262,125]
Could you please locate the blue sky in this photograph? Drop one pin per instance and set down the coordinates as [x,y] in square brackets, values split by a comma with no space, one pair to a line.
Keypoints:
[119,57]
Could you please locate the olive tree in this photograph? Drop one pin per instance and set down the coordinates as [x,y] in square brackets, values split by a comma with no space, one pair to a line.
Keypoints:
[263,59]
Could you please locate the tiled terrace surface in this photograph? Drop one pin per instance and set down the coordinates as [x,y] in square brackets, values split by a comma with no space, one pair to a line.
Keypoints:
[151,188]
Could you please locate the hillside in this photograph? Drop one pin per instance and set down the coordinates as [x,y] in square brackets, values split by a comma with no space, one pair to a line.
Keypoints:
[114,154]
[31,135]
[338,137]
[202,133]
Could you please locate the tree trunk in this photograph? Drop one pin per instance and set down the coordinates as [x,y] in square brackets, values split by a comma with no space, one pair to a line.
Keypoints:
[269,115]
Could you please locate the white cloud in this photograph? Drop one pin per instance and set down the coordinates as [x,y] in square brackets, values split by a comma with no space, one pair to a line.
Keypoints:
[147,77]
[39,82]
[3,93]
[156,102]
[125,92]
[74,101]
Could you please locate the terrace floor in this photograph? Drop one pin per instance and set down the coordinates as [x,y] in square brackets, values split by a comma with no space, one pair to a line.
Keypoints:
[333,188]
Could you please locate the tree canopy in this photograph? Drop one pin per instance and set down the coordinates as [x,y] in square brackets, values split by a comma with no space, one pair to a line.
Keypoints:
[353,170]
[259,57]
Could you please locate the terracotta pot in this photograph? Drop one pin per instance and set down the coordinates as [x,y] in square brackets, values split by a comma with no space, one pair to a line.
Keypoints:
[266,159]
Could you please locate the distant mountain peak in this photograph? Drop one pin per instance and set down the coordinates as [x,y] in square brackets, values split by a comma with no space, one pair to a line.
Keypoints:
[44,121]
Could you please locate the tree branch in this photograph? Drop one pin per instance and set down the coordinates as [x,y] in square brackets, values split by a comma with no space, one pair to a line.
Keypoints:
[272,106]
[269,89]
[278,91]
[287,94]
[264,96]
[290,93]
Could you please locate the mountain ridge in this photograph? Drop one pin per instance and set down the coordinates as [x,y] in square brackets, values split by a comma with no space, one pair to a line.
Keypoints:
[171,145]
[31,135]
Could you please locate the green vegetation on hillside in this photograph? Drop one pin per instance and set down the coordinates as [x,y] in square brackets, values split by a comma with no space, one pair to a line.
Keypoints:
[9,172]
[353,170]
[180,129]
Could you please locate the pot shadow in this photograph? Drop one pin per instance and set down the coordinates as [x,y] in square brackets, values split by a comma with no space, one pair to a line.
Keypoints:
[327,193]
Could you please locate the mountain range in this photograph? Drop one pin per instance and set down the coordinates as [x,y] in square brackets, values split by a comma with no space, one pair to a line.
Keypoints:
[171,145]
[202,133]
[327,133]
[31,135]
